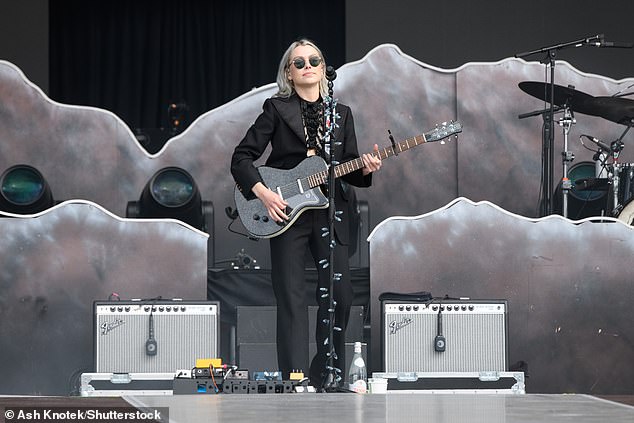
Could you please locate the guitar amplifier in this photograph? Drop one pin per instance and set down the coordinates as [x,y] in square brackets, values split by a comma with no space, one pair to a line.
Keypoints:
[153,336]
[445,336]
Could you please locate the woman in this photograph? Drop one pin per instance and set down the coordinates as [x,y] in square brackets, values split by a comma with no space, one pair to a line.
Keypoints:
[292,122]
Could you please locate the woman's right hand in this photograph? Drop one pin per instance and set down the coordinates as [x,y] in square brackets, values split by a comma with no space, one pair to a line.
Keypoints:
[273,203]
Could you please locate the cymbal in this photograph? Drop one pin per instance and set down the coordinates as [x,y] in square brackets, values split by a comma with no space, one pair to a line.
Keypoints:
[615,109]
[576,100]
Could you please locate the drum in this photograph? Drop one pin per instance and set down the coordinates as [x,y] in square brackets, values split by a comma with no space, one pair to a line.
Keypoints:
[627,213]
[589,195]
[624,188]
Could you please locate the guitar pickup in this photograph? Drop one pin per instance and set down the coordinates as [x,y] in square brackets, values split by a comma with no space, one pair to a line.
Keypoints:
[300,186]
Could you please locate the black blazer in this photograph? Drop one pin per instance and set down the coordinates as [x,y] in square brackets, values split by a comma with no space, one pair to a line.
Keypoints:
[280,124]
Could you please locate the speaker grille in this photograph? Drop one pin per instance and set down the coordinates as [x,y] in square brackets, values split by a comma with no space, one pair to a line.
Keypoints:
[475,335]
[183,331]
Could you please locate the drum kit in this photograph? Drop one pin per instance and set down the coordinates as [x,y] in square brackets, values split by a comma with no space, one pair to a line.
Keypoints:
[604,187]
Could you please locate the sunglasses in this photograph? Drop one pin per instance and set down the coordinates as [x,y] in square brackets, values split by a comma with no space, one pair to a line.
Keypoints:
[300,63]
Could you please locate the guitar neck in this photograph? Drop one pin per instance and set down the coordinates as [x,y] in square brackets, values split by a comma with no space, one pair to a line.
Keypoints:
[356,164]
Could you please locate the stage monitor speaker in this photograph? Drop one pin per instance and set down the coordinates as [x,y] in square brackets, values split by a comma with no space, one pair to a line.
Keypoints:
[153,336]
[445,336]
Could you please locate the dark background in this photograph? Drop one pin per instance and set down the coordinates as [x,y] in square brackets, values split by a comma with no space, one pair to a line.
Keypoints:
[135,58]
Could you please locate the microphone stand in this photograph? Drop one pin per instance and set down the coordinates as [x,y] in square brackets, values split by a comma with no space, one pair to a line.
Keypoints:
[548,136]
[333,377]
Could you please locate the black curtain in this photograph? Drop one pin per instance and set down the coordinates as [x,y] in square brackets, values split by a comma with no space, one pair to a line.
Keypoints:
[135,58]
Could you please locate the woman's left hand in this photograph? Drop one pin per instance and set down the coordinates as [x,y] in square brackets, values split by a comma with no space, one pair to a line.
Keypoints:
[372,162]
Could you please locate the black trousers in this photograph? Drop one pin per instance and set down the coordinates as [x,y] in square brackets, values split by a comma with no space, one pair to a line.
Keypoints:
[288,252]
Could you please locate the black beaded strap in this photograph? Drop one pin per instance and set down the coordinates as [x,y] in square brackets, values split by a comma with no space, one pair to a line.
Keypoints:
[313,118]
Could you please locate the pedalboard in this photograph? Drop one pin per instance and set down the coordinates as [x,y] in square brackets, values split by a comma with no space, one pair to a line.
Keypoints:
[233,386]
[236,386]
[214,380]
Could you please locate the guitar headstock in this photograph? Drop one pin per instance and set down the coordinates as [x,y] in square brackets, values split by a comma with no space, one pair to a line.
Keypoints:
[443,130]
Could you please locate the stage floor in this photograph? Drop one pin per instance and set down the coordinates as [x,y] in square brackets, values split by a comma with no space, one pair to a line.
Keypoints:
[391,407]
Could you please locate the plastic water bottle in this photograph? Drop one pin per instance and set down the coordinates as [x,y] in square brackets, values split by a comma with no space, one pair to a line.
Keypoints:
[357,374]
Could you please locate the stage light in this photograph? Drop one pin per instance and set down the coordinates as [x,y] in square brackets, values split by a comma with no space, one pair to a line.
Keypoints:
[173,193]
[24,191]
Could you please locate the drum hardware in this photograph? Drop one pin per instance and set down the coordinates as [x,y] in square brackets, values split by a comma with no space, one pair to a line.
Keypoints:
[601,166]
[548,137]
[616,109]
[577,100]
[620,175]
[561,98]
[566,99]
[613,108]
[566,156]
[589,195]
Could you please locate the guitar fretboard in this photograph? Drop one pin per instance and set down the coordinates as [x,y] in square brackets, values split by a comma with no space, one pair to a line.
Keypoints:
[356,164]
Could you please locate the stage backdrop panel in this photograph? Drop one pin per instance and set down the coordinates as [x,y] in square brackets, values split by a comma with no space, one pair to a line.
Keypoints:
[568,285]
[91,154]
[55,264]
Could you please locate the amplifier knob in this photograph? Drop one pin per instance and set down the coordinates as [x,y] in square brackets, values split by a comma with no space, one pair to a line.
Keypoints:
[401,308]
[471,308]
[463,308]
[408,308]
[434,308]
[415,308]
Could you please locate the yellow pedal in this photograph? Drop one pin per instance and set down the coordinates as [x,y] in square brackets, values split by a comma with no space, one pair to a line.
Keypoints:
[208,362]
[296,376]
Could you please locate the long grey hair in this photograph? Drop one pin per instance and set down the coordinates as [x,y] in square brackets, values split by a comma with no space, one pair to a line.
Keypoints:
[285,85]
